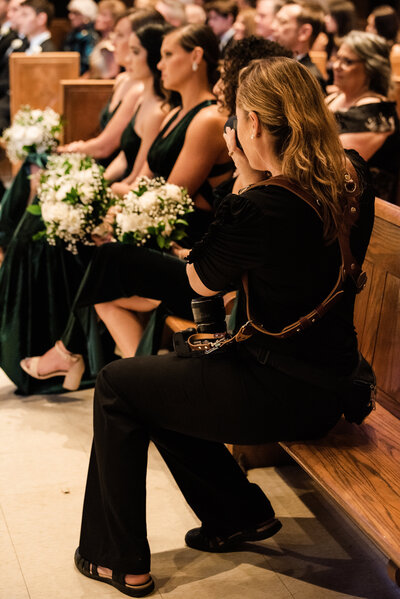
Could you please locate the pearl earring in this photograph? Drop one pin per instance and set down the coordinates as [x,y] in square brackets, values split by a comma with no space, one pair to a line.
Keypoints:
[252,136]
[195,66]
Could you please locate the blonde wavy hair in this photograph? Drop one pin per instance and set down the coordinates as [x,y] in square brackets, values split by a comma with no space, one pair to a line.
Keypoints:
[290,106]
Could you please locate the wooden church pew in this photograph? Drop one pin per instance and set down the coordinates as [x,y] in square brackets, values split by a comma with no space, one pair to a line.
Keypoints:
[82,102]
[35,80]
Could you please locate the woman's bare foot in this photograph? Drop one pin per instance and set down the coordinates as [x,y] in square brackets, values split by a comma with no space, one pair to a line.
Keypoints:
[53,360]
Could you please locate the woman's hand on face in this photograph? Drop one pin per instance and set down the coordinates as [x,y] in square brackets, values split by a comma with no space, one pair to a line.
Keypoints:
[246,173]
[120,188]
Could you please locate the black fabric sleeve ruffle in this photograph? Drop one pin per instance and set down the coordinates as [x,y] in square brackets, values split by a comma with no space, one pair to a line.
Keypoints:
[233,244]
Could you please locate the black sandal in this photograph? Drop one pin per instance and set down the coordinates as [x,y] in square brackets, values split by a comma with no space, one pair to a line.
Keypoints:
[118,580]
[199,538]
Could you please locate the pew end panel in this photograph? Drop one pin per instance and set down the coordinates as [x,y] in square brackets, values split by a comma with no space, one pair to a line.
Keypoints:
[35,80]
[82,102]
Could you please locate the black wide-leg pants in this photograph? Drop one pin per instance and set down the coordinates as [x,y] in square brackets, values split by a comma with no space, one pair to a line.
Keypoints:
[188,408]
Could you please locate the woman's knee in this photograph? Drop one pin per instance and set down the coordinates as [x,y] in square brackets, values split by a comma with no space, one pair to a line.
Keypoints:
[115,380]
[104,309]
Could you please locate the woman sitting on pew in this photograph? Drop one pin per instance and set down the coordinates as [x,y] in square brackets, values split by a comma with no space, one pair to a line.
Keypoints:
[48,276]
[102,63]
[119,111]
[151,107]
[259,390]
[122,270]
[367,120]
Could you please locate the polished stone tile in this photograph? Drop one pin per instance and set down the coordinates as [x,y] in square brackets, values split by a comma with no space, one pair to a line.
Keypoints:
[188,573]
[12,583]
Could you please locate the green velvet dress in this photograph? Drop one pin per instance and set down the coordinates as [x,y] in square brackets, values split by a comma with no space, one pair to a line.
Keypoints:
[38,283]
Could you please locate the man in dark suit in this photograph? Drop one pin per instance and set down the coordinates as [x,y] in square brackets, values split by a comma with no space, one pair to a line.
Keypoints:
[33,21]
[221,15]
[9,32]
[296,27]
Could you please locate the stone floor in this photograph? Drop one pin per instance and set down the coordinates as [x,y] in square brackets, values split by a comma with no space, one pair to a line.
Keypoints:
[44,448]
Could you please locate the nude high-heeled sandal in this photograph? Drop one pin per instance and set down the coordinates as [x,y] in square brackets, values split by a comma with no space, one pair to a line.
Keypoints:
[72,376]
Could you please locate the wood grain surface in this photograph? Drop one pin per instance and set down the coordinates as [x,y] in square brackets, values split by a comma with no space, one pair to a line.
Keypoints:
[359,466]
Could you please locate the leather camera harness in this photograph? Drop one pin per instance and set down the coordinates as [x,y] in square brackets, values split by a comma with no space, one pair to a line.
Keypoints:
[348,268]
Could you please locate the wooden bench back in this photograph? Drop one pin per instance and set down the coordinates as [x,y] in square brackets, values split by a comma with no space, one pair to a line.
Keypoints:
[35,80]
[59,29]
[377,311]
[82,102]
[319,58]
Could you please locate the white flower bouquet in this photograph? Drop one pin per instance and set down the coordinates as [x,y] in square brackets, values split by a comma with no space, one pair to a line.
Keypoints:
[32,130]
[73,199]
[153,211]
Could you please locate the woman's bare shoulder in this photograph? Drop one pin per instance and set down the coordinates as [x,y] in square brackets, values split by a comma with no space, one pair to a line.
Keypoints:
[371,99]
[209,117]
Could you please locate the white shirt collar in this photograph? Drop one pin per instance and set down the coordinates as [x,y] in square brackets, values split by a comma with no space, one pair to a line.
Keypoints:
[224,39]
[35,42]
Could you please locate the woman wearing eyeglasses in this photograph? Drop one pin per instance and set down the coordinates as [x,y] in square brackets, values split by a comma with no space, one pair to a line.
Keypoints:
[367,119]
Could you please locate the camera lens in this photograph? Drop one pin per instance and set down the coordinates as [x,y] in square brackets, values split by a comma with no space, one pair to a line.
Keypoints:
[209,314]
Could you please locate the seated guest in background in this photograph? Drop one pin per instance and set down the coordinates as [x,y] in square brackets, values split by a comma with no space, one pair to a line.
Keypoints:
[9,34]
[221,15]
[173,11]
[108,13]
[265,16]
[83,37]
[340,19]
[195,14]
[35,19]
[4,23]
[384,21]
[245,25]
[296,27]
[101,60]
[367,120]
[249,394]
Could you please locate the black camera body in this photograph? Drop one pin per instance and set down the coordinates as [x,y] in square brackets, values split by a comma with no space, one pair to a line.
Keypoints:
[209,317]
[232,124]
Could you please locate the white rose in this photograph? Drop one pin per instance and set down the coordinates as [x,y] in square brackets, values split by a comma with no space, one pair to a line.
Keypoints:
[148,200]
[17,133]
[33,135]
[169,190]
[73,222]
[62,192]
[54,211]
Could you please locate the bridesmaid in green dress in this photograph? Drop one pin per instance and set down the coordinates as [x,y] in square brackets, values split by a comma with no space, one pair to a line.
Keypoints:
[38,282]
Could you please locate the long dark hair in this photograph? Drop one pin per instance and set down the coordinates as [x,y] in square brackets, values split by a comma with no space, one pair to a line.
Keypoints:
[151,36]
